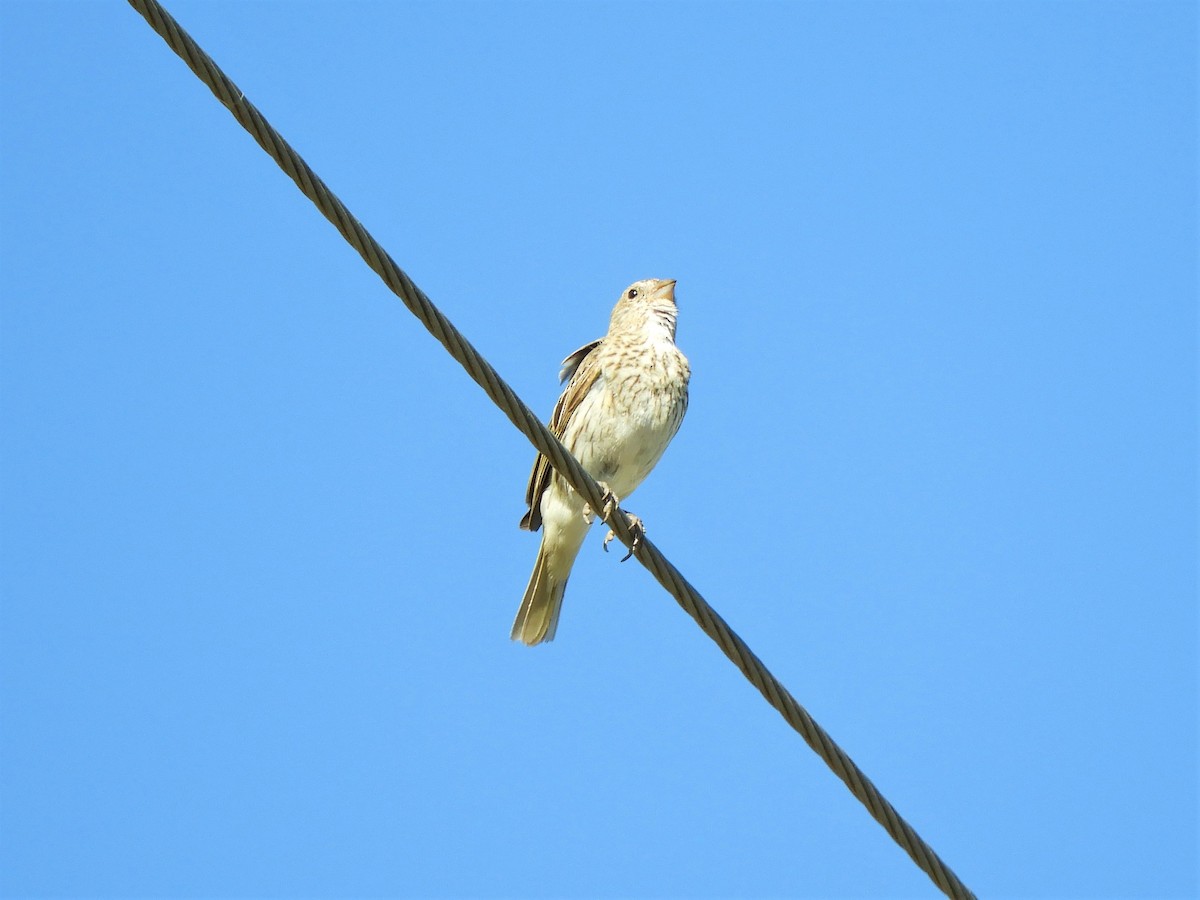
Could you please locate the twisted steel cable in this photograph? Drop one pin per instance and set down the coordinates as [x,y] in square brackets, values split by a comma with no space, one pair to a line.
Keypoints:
[530,425]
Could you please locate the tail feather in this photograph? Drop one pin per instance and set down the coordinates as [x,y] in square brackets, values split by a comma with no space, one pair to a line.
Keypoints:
[537,619]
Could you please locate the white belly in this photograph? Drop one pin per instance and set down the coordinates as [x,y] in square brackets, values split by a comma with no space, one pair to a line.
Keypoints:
[619,442]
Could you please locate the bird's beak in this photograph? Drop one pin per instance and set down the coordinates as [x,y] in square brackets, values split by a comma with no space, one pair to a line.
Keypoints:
[667,289]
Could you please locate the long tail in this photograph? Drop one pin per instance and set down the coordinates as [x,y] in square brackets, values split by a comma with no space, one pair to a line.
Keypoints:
[537,619]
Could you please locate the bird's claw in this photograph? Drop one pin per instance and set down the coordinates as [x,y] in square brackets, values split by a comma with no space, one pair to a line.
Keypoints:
[636,529]
[610,500]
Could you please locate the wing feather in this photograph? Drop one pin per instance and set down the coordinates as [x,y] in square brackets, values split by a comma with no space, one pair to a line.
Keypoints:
[582,369]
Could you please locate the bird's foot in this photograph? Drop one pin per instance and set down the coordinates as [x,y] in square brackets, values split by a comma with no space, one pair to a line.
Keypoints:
[638,530]
[610,500]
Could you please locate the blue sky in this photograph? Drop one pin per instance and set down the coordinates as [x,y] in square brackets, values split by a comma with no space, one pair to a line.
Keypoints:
[259,549]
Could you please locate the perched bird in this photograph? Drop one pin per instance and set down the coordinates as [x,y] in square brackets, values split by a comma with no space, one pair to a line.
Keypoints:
[624,400]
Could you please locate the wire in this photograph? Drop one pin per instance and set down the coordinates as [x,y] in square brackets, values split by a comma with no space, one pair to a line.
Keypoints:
[530,425]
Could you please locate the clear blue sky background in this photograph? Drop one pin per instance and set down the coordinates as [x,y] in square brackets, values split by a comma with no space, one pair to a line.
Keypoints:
[937,281]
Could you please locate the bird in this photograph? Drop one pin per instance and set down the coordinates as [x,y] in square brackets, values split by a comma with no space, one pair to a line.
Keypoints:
[624,400]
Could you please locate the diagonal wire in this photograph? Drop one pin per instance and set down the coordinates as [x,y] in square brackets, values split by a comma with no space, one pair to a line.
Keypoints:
[531,426]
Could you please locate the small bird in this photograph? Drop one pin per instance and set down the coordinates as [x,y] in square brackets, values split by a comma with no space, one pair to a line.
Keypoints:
[624,400]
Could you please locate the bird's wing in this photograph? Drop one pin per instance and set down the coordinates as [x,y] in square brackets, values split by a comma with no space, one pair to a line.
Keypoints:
[582,368]
[571,363]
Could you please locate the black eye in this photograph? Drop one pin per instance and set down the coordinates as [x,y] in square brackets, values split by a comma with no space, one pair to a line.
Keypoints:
[632,293]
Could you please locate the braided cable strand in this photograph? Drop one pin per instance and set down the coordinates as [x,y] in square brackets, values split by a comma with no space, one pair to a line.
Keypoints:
[531,426]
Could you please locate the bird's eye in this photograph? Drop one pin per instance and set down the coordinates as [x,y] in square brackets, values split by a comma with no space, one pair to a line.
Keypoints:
[632,293]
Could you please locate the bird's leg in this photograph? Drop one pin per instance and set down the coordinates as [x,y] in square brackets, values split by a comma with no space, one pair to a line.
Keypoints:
[636,528]
[610,500]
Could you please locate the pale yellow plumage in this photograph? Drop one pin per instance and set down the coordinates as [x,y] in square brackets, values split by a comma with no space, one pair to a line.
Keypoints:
[625,397]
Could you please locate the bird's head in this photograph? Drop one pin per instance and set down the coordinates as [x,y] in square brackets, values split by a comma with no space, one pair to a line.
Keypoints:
[647,306]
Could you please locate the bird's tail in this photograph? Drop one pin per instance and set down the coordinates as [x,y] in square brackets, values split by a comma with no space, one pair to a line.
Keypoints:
[537,619]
